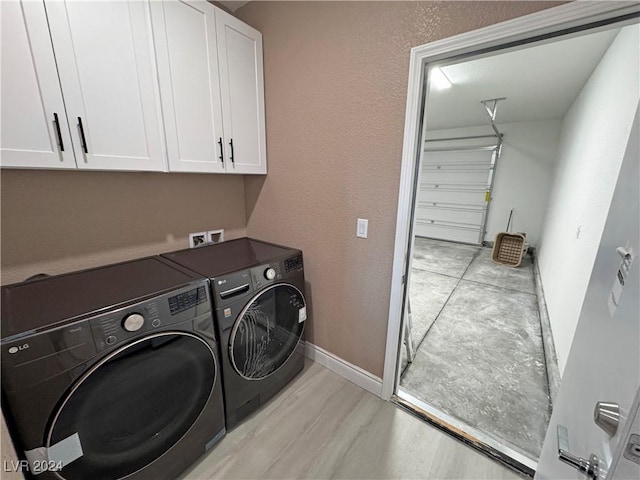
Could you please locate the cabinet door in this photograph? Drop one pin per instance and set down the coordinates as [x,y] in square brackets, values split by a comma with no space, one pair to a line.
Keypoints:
[242,86]
[185,40]
[30,95]
[104,52]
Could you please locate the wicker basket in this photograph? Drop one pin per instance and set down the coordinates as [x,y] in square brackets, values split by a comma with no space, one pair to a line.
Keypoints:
[509,248]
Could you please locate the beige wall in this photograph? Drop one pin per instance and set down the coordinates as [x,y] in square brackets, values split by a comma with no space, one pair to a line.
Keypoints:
[59,221]
[335,81]
[8,454]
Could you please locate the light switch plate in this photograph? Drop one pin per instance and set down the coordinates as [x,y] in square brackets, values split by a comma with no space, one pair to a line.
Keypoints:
[363,228]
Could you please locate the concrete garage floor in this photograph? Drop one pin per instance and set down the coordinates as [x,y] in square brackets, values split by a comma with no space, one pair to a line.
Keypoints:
[479,354]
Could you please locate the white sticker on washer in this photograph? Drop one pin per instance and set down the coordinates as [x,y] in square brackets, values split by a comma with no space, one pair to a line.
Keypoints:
[302,314]
[56,457]
[37,458]
[66,451]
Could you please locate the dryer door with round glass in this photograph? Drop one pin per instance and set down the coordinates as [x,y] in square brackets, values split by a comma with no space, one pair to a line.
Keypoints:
[134,405]
[267,331]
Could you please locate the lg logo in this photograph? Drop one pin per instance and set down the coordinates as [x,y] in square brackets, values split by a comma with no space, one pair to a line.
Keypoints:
[19,348]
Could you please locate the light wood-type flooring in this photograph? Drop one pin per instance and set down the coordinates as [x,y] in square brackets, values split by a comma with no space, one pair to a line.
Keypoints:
[323,426]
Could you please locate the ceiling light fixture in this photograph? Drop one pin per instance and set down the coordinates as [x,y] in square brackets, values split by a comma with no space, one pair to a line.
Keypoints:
[439,79]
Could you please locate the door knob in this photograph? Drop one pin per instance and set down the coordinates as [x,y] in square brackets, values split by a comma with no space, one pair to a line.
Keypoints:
[606,415]
[590,468]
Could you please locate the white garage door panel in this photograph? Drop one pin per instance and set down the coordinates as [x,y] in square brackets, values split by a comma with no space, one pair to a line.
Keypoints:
[473,157]
[460,177]
[453,194]
[451,214]
[458,196]
[450,232]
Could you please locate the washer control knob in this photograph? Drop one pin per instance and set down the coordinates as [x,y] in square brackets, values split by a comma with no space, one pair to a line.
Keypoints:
[269,274]
[133,322]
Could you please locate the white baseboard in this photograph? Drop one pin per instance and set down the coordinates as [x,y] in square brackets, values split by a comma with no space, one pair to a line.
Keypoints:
[350,372]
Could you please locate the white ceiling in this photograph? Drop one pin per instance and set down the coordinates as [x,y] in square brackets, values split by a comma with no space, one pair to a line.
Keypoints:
[233,6]
[539,82]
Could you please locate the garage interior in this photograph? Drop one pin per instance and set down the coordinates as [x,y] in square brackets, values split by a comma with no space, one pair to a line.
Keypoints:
[485,343]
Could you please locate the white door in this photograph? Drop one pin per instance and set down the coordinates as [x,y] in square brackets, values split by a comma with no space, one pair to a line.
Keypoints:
[604,361]
[35,133]
[242,85]
[104,52]
[186,46]
[453,194]
[626,462]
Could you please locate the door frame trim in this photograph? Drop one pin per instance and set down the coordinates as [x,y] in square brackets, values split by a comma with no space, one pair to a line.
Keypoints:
[548,23]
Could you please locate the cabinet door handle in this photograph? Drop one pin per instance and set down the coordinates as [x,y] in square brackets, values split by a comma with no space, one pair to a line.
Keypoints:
[231,157]
[83,140]
[58,132]
[221,157]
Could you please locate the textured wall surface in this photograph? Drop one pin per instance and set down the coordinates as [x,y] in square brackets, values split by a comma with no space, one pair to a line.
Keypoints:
[335,90]
[9,457]
[60,221]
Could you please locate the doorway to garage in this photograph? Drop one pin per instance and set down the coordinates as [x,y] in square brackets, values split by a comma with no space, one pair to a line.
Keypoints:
[485,340]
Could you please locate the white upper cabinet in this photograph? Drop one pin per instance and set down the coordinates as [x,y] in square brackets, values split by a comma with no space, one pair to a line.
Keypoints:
[211,83]
[104,53]
[172,85]
[185,40]
[34,131]
[242,87]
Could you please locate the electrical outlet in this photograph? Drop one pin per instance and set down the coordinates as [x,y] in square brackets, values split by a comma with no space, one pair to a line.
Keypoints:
[215,236]
[197,238]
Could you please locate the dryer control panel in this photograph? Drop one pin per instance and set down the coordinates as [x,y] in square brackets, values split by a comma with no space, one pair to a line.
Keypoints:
[293,264]
[266,274]
[276,271]
[233,287]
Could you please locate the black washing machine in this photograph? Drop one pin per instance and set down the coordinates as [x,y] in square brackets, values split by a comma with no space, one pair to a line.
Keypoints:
[111,372]
[258,293]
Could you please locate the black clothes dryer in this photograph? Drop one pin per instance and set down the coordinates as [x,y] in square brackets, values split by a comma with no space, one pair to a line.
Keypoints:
[112,372]
[258,293]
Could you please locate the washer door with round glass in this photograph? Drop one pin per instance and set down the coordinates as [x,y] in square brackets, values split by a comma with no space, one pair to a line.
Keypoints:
[267,331]
[134,405]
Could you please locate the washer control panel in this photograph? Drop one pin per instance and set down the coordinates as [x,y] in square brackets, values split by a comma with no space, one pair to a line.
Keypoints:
[165,310]
[186,300]
[133,322]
